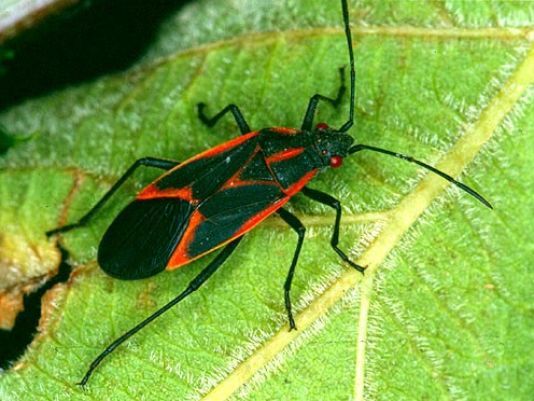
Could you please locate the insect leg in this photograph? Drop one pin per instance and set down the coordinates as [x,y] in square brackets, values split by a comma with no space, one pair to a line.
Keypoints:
[192,287]
[232,108]
[296,225]
[145,161]
[307,124]
[328,200]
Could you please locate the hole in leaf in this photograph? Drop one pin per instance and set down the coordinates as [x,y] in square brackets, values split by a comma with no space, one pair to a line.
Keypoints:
[15,341]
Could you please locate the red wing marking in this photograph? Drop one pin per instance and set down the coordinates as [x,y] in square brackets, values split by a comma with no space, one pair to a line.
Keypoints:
[284,155]
[259,217]
[222,147]
[236,181]
[284,130]
[152,192]
[297,186]
[186,193]
[180,257]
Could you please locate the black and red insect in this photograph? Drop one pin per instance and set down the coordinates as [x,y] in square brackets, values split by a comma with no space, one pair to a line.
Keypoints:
[214,198]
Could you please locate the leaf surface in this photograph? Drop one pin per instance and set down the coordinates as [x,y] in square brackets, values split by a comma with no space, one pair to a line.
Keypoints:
[444,311]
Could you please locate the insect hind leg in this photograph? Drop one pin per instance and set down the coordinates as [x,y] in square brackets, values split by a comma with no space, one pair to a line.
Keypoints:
[145,161]
[232,108]
[307,124]
[299,228]
[194,285]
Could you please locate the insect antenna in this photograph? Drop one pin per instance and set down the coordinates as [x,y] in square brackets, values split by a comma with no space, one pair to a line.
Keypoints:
[348,34]
[470,191]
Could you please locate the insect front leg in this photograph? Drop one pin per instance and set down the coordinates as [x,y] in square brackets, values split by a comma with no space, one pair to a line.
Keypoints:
[328,200]
[299,228]
[232,108]
[145,161]
[307,124]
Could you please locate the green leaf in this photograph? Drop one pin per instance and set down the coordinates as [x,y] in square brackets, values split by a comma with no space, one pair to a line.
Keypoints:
[444,311]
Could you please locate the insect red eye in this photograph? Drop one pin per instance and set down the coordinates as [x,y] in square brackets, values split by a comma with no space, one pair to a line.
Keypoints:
[322,126]
[336,161]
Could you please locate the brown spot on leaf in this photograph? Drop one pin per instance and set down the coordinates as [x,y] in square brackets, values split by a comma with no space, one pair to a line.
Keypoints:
[145,299]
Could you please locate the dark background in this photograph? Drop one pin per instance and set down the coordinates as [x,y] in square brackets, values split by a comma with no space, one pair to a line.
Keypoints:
[93,38]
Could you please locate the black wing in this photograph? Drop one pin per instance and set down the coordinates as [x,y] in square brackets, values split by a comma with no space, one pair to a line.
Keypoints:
[142,237]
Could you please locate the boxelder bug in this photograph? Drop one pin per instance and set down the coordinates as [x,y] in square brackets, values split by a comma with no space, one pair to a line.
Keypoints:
[217,196]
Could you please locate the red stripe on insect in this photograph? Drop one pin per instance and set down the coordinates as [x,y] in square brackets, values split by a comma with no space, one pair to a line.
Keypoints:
[284,130]
[153,192]
[235,181]
[284,155]
[259,217]
[180,256]
[223,147]
[296,187]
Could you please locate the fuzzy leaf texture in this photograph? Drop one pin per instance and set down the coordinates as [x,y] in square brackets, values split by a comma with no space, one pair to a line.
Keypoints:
[444,311]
